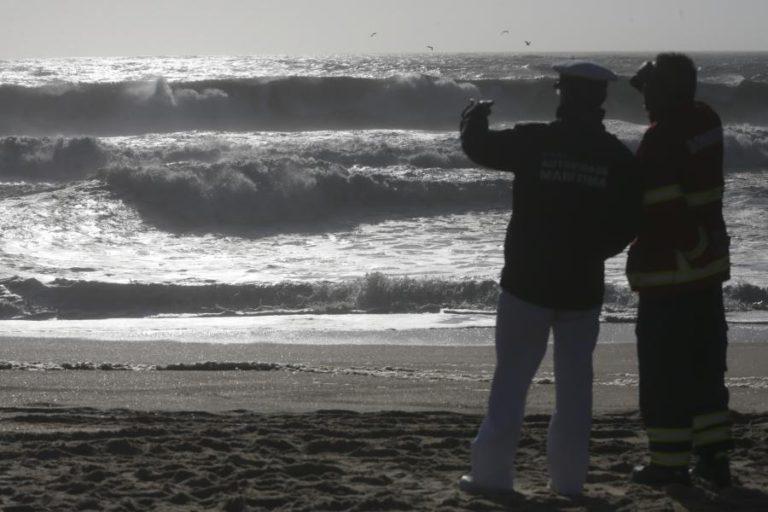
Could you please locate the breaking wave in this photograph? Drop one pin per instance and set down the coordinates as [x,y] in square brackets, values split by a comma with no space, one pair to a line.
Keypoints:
[64,159]
[312,103]
[373,293]
[286,190]
[58,159]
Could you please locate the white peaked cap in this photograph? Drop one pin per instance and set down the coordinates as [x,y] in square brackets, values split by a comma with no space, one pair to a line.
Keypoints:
[585,69]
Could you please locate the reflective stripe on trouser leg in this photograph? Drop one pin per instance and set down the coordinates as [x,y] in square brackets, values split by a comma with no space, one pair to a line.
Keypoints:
[522,330]
[712,432]
[670,447]
[666,377]
[575,336]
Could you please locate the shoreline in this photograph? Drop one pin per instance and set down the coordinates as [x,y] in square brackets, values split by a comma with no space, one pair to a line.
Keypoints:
[307,377]
[417,329]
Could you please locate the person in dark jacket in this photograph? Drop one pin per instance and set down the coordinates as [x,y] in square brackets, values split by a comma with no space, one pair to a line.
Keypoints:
[575,203]
[677,265]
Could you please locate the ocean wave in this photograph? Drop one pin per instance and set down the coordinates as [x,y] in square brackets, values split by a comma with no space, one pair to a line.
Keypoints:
[75,158]
[374,293]
[746,147]
[289,103]
[312,103]
[58,158]
[285,190]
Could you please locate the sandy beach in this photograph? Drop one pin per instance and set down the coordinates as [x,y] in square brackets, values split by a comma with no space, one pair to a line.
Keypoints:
[160,426]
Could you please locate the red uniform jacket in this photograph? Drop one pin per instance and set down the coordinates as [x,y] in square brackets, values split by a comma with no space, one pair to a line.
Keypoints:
[682,243]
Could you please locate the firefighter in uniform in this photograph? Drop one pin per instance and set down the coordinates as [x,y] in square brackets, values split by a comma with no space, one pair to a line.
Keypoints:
[678,264]
[575,203]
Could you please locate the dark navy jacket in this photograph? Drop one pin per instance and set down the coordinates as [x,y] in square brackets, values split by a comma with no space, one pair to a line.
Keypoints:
[576,201]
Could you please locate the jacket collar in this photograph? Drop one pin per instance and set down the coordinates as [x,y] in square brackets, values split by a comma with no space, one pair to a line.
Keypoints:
[570,116]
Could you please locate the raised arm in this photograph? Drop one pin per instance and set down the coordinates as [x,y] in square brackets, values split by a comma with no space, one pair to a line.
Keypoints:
[503,150]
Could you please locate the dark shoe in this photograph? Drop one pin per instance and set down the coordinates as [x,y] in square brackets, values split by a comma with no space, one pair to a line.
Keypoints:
[715,471]
[660,475]
[471,486]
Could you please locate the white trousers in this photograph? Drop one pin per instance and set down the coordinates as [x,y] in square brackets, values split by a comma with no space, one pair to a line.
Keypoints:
[522,331]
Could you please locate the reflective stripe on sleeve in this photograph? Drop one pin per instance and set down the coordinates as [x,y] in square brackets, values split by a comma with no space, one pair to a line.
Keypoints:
[706,139]
[701,245]
[671,277]
[701,198]
[662,194]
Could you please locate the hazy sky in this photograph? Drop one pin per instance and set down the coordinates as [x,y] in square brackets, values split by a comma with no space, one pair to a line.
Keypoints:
[43,28]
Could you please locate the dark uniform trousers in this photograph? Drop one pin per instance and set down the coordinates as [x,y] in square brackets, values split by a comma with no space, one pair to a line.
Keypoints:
[682,344]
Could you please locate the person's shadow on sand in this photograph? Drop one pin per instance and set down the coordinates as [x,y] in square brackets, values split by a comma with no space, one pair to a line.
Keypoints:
[736,498]
[517,501]
[692,499]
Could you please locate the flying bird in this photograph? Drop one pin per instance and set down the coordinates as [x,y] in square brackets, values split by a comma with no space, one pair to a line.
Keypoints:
[373,34]
[431,48]
[504,32]
[527,43]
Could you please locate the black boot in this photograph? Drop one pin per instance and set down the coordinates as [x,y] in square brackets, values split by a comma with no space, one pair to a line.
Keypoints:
[715,469]
[653,474]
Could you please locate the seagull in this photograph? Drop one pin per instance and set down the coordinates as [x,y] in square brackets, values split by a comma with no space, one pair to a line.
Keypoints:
[527,43]
[504,32]
[431,48]
[373,34]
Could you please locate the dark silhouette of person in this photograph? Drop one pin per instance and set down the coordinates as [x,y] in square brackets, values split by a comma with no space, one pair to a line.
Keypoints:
[575,203]
[678,264]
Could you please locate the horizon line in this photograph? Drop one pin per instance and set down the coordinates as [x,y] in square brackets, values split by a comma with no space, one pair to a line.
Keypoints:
[382,53]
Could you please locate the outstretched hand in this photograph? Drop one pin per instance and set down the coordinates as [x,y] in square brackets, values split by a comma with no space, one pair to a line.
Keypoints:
[477,108]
